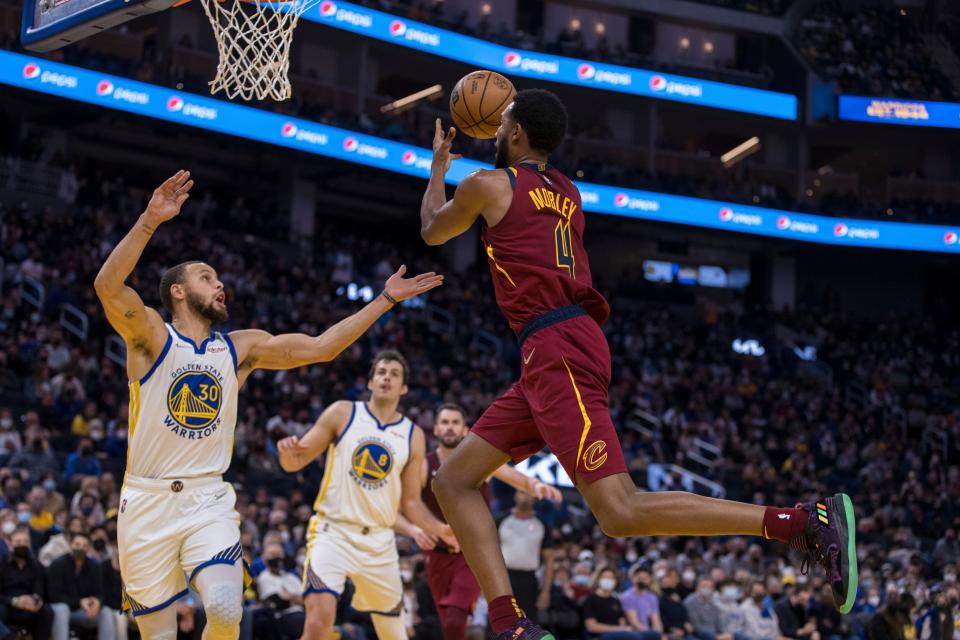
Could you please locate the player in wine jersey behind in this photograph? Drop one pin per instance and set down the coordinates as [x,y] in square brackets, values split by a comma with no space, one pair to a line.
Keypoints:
[532,229]
[177,523]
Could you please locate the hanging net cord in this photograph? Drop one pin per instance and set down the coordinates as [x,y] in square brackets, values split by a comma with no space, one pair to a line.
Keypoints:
[254,39]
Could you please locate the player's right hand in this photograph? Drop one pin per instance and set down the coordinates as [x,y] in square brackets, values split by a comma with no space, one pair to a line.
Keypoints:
[442,141]
[449,538]
[424,540]
[169,197]
[291,449]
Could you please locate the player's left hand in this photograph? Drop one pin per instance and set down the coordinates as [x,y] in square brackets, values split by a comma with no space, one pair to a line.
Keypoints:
[448,537]
[400,288]
[543,491]
[424,540]
[442,141]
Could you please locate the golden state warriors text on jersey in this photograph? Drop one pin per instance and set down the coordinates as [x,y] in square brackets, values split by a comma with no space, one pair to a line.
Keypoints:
[361,482]
[183,411]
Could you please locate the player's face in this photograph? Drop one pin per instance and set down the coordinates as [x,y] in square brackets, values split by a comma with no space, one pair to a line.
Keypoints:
[387,382]
[450,428]
[205,294]
[507,124]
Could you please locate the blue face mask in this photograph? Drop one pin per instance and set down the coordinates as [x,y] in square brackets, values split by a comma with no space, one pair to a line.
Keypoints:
[24,517]
[581,580]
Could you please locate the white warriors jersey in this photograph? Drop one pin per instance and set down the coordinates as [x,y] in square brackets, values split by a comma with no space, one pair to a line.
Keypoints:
[361,479]
[183,412]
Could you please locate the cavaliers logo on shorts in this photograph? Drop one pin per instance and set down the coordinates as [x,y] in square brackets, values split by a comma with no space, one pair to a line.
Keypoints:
[595,455]
[194,399]
[371,463]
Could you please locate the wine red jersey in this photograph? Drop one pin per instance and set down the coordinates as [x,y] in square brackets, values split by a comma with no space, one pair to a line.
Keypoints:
[536,252]
[429,497]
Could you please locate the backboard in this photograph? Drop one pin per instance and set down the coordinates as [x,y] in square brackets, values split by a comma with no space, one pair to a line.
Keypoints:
[51,24]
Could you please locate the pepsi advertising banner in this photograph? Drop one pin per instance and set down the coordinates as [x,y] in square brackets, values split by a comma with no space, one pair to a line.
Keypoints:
[92,87]
[543,66]
[914,113]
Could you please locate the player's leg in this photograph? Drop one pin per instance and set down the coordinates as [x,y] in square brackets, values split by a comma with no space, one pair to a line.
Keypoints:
[459,600]
[379,590]
[505,430]
[160,625]
[329,561]
[221,590]
[571,388]
[389,626]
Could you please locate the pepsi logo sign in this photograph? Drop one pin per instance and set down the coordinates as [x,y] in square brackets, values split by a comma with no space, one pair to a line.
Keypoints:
[351,144]
[726,214]
[104,88]
[950,237]
[658,83]
[288,130]
[398,28]
[541,66]
[840,230]
[409,157]
[621,200]
[512,59]
[624,201]
[735,217]
[586,71]
[783,222]
[175,103]
[328,9]
[31,70]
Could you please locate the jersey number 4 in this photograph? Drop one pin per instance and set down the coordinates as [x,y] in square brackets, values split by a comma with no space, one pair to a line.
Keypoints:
[565,248]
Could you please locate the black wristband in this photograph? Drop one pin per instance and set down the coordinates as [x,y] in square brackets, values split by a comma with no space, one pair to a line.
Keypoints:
[389,297]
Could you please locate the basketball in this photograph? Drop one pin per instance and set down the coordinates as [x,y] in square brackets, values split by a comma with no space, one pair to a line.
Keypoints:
[477,102]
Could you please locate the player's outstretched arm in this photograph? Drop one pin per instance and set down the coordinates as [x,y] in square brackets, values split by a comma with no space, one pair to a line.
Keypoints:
[440,219]
[406,528]
[411,503]
[258,349]
[527,484]
[296,453]
[140,326]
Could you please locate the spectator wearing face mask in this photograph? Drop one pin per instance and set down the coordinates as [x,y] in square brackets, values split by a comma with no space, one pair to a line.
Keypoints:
[22,586]
[734,621]
[59,544]
[760,619]
[280,615]
[75,587]
[562,616]
[603,614]
[704,613]
[937,620]
[580,582]
[676,622]
[82,463]
[641,606]
[10,441]
[890,622]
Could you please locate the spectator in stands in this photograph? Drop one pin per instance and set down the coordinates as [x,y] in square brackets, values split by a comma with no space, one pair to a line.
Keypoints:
[704,613]
[37,459]
[760,619]
[734,620]
[10,441]
[76,592]
[522,536]
[580,582]
[947,549]
[673,615]
[792,615]
[22,589]
[890,622]
[641,606]
[562,616]
[831,625]
[11,493]
[602,612]
[82,463]
[280,614]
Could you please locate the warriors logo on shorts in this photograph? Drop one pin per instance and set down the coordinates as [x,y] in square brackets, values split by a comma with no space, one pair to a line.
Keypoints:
[194,399]
[371,463]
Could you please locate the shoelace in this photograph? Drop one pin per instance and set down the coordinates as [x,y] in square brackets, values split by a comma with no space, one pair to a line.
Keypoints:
[813,552]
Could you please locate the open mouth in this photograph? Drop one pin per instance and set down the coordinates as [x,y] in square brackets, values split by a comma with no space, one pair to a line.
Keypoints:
[221,298]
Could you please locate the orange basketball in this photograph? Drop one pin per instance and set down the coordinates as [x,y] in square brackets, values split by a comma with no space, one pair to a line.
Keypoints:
[477,102]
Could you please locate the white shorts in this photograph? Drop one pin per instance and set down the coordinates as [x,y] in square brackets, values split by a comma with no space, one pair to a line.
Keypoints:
[338,550]
[168,530]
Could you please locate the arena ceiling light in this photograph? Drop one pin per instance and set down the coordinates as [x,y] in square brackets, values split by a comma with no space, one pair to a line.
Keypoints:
[401,105]
[740,152]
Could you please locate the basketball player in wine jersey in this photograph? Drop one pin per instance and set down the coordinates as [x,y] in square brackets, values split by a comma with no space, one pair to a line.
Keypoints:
[177,523]
[532,225]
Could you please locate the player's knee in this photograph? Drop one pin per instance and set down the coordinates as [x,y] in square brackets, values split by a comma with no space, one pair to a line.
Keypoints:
[223,605]
[446,483]
[620,521]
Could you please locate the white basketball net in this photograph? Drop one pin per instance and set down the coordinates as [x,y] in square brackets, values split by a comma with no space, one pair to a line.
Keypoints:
[254,42]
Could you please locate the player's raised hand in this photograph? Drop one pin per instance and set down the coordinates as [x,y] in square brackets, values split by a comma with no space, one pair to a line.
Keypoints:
[169,197]
[442,141]
[400,288]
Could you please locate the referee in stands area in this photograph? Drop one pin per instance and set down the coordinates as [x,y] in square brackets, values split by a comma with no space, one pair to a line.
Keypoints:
[524,541]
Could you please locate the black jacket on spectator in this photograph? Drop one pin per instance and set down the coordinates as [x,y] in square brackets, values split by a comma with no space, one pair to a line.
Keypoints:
[791,618]
[673,613]
[67,585]
[15,581]
[604,610]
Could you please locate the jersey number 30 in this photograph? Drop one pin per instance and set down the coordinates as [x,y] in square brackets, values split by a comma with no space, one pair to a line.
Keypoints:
[565,248]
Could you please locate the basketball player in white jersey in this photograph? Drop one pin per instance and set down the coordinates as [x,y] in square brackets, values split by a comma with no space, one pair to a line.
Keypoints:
[375,459]
[177,523]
